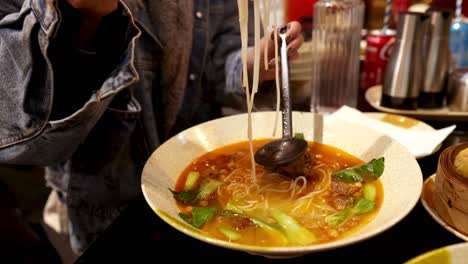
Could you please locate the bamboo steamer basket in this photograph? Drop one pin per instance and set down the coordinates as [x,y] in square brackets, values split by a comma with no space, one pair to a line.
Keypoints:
[451,190]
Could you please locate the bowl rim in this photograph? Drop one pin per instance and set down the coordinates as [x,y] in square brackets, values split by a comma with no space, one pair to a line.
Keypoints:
[268,250]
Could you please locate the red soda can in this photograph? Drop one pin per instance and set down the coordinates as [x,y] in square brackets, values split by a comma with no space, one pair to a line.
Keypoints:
[379,46]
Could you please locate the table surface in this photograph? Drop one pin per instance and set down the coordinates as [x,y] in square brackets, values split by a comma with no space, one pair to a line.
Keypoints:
[139,234]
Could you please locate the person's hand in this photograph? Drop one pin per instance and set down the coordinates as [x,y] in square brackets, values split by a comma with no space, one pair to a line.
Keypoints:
[91,12]
[294,39]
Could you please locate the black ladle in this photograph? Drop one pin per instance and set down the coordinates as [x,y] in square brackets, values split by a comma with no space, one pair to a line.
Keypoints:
[284,151]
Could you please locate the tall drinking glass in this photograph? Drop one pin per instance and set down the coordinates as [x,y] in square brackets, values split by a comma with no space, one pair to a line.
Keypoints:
[336,54]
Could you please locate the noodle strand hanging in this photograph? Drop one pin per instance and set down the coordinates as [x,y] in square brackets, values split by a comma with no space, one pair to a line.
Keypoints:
[277,73]
[256,73]
[266,22]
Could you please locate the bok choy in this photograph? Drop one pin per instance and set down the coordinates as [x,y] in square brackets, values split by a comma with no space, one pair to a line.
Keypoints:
[200,215]
[362,206]
[229,233]
[191,180]
[190,197]
[295,232]
[368,172]
[272,229]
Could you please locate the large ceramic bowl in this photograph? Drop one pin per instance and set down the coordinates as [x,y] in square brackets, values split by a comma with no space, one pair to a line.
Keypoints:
[402,178]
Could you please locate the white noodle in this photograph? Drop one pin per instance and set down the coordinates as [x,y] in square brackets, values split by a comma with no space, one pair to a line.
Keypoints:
[227,178]
[257,50]
[324,208]
[244,28]
[266,22]
[243,6]
[277,78]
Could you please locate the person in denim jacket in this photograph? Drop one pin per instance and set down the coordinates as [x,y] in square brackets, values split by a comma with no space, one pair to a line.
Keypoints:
[89,89]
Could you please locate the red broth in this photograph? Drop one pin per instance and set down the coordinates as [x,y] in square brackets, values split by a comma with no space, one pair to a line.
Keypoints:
[311,201]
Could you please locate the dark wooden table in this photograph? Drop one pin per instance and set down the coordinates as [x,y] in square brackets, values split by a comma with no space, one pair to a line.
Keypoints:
[139,236]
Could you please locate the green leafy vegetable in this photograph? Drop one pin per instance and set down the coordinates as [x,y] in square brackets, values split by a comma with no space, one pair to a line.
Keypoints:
[191,180]
[338,218]
[272,229]
[362,206]
[232,208]
[201,215]
[295,232]
[299,135]
[207,187]
[190,197]
[187,197]
[369,191]
[229,233]
[187,218]
[365,173]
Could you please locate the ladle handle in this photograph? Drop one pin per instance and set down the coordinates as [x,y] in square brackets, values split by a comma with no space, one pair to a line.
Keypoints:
[285,93]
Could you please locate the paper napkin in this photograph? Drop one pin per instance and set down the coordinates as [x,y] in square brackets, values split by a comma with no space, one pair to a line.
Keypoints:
[419,143]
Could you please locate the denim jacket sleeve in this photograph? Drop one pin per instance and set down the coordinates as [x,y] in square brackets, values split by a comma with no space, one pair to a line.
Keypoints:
[28,84]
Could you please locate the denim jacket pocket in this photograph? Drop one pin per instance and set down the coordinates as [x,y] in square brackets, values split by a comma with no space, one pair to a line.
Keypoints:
[110,136]
[109,150]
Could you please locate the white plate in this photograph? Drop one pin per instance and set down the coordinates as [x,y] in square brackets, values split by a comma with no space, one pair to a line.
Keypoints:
[404,122]
[374,94]
[426,199]
[454,254]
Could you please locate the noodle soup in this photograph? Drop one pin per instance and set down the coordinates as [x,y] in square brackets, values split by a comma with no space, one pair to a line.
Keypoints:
[324,200]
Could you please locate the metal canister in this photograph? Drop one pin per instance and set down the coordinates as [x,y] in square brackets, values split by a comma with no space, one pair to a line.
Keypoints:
[378,49]
[436,60]
[403,75]
[457,98]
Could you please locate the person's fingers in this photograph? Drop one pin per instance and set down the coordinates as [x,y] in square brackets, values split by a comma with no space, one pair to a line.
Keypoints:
[294,37]
[270,74]
[296,43]
[272,63]
[294,46]
[294,30]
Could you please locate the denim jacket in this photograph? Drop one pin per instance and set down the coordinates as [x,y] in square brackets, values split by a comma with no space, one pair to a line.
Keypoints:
[94,127]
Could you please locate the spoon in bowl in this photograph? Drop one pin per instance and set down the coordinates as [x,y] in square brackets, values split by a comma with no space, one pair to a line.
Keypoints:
[284,151]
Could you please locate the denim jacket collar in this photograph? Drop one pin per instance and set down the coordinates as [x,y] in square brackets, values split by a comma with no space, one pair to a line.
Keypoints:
[30,124]
[47,14]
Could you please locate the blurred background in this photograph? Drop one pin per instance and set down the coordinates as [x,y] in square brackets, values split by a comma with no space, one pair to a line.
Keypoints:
[302,10]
